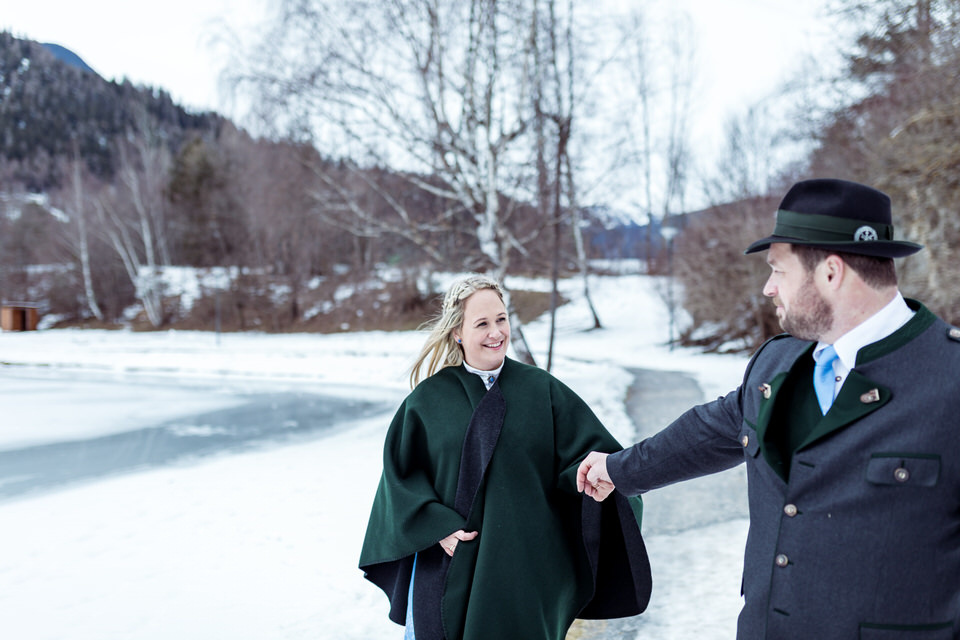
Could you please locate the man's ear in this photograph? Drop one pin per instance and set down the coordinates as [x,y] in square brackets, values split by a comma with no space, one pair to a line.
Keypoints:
[834,270]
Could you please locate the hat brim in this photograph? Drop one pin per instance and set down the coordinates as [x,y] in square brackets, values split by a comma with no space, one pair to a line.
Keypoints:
[874,248]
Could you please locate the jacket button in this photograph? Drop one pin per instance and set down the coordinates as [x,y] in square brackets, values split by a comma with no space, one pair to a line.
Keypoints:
[782,560]
[901,475]
[790,510]
[745,440]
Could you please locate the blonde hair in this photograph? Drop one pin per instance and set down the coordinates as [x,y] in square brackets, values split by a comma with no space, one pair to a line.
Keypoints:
[441,348]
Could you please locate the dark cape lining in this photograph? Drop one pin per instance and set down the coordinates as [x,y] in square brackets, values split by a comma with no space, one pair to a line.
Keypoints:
[478,445]
[618,558]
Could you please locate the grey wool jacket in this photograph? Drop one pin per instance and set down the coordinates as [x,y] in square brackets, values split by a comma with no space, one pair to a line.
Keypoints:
[855,525]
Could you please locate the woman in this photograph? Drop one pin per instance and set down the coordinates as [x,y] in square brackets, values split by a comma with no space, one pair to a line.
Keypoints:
[477,529]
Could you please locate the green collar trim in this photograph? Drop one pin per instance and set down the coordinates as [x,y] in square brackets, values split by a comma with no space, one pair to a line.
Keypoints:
[818,228]
[919,323]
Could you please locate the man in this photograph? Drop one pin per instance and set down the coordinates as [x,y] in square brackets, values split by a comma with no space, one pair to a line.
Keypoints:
[854,496]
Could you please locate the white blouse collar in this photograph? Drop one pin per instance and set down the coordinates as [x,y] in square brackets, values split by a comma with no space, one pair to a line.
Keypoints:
[488,377]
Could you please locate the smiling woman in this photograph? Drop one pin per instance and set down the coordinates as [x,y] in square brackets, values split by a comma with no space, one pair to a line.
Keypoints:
[477,529]
[485,331]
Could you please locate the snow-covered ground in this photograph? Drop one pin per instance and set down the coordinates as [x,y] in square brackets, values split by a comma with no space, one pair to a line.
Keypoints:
[263,544]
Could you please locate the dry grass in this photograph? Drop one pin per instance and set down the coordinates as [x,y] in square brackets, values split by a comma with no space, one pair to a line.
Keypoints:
[370,307]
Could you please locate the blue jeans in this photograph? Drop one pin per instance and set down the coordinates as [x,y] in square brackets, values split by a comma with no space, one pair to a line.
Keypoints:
[408,630]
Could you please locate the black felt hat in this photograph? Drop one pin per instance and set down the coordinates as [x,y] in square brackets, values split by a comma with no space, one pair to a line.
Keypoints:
[837,215]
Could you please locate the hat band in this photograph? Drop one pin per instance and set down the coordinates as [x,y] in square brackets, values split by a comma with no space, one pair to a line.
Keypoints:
[818,228]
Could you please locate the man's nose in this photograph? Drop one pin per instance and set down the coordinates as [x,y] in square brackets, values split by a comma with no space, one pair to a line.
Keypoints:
[768,289]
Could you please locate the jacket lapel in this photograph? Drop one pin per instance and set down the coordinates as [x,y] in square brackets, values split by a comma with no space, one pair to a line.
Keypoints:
[858,397]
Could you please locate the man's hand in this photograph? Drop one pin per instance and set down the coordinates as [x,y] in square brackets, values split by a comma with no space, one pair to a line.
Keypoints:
[592,477]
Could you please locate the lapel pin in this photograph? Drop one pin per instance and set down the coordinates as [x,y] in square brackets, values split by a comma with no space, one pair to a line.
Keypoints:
[765,388]
[870,396]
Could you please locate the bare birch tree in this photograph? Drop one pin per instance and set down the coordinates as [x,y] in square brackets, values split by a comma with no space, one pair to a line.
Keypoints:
[657,103]
[438,87]
[80,205]
[554,101]
[132,219]
[76,202]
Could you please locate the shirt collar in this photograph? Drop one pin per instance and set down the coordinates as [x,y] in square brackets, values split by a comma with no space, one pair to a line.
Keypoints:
[488,377]
[875,328]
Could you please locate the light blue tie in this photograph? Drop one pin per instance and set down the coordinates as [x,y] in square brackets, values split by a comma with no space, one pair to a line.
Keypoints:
[824,381]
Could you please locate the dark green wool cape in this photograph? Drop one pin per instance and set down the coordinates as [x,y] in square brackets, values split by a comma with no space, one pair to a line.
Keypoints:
[545,554]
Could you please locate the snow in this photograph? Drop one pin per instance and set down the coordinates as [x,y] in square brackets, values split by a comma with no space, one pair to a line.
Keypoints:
[263,544]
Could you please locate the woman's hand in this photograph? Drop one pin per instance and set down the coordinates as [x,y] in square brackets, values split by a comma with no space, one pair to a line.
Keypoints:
[450,543]
[592,477]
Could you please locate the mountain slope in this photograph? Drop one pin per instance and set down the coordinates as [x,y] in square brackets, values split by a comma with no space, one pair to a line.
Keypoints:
[51,108]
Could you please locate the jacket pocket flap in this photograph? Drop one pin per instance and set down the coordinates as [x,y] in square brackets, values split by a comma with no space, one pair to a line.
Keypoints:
[907,469]
[943,631]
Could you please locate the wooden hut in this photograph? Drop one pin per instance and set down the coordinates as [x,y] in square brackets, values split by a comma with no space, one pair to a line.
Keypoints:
[19,316]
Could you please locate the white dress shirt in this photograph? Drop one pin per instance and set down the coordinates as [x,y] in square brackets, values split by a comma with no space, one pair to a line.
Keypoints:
[877,327]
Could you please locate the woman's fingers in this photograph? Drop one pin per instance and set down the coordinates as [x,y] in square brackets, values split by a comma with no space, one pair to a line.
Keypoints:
[449,544]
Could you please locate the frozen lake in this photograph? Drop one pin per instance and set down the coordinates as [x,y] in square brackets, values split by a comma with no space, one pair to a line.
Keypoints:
[250,420]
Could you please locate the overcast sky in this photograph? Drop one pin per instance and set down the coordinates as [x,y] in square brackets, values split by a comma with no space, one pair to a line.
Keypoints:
[744,48]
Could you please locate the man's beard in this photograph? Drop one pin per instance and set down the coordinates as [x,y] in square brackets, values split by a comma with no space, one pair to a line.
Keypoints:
[811,317]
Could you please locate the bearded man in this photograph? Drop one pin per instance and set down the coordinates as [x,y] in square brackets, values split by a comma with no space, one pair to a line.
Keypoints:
[849,424]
